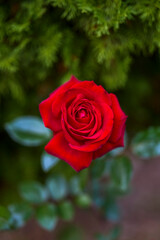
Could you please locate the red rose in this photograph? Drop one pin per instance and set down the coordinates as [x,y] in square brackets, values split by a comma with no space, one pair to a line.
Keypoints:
[87,122]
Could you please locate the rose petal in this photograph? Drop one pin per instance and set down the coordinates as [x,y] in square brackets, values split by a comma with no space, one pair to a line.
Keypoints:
[116,107]
[110,146]
[69,84]
[97,91]
[117,130]
[73,135]
[95,141]
[70,112]
[119,119]
[58,146]
[50,119]
[58,95]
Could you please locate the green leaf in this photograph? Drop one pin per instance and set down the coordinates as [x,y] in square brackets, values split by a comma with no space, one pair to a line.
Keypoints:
[83,200]
[20,213]
[97,196]
[101,167]
[75,186]
[111,210]
[83,177]
[121,172]
[48,161]
[57,187]
[147,143]
[28,131]
[112,235]
[98,167]
[33,192]
[46,216]
[4,217]
[108,166]
[66,210]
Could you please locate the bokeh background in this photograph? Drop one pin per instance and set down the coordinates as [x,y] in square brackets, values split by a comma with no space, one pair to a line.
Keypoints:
[116,43]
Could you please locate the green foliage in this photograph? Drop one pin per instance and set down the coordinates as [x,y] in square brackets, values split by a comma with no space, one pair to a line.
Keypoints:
[121,173]
[118,171]
[4,217]
[75,187]
[112,235]
[111,209]
[20,214]
[48,161]
[46,216]
[33,192]
[39,38]
[28,131]
[147,143]
[83,200]
[57,187]
[98,167]
[15,216]
[66,210]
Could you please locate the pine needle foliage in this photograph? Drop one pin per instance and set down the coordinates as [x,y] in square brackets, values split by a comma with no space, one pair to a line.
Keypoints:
[94,40]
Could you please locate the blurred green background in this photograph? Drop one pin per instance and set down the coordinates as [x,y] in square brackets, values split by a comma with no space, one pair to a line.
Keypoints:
[116,43]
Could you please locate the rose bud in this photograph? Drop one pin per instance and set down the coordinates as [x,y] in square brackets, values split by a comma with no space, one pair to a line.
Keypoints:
[87,122]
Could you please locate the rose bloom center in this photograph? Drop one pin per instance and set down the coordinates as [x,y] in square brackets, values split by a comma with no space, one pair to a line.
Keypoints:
[81,113]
